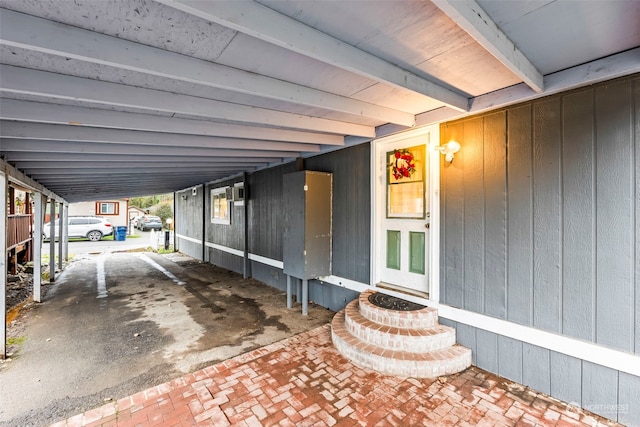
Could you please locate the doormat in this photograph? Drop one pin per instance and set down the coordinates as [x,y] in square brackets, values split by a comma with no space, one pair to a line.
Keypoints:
[392,303]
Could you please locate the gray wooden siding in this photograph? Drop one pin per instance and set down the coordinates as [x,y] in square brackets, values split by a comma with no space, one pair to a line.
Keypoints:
[540,214]
[351,169]
[263,196]
[266,211]
[188,221]
[604,391]
[229,235]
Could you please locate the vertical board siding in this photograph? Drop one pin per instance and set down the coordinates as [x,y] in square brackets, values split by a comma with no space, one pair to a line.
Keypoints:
[606,392]
[520,216]
[566,378]
[188,221]
[543,229]
[536,367]
[495,174]
[614,213]
[546,214]
[628,399]
[510,358]
[452,224]
[487,350]
[636,103]
[351,169]
[578,215]
[266,211]
[600,390]
[474,219]
[230,235]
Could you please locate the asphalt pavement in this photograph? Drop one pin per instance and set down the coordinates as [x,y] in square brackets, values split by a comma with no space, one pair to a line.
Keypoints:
[140,240]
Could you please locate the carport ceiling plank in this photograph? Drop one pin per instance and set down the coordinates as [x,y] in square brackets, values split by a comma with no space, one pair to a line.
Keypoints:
[54,158]
[51,85]
[230,136]
[40,35]
[469,16]
[48,146]
[259,21]
[116,170]
[27,111]
[131,164]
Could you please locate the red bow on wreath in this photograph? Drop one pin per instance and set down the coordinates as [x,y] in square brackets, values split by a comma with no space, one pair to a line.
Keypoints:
[403,166]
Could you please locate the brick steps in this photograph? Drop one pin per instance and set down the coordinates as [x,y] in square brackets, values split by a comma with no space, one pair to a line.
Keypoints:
[402,343]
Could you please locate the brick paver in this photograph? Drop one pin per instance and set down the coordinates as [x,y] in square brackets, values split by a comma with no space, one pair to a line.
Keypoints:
[304,381]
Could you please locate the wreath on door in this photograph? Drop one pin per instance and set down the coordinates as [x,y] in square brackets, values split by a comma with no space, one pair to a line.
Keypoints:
[402,164]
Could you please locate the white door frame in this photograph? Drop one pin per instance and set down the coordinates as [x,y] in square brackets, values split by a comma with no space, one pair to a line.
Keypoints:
[378,199]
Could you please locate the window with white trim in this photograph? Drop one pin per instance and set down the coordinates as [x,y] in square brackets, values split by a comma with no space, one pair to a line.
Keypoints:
[220,206]
[107,208]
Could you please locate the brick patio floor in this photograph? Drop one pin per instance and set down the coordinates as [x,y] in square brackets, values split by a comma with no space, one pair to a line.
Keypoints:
[304,381]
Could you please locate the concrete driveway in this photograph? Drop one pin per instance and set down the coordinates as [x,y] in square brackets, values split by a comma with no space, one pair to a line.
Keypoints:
[117,323]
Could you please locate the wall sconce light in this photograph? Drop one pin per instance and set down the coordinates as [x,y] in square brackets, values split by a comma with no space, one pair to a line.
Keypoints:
[449,149]
[183,197]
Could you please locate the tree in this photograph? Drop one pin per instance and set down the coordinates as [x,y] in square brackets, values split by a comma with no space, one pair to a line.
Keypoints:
[164,211]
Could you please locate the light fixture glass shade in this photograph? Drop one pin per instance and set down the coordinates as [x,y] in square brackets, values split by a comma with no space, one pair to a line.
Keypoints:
[449,149]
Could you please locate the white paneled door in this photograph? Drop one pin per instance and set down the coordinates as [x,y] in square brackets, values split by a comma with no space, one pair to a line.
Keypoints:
[403,214]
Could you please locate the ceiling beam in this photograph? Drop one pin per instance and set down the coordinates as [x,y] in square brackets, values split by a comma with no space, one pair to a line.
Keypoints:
[114,171]
[469,16]
[23,130]
[54,158]
[138,165]
[259,21]
[48,146]
[52,38]
[30,82]
[28,111]
[18,177]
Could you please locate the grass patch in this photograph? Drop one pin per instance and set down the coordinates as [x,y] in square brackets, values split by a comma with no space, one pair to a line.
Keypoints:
[162,250]
[16,340]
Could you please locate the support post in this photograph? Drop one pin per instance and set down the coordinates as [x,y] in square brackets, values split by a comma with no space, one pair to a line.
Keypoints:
[52,241]
[37,247]
[204,223]
[64,233]
[3,266]
[305,297]
[63,229]
[289,298]
[245,203]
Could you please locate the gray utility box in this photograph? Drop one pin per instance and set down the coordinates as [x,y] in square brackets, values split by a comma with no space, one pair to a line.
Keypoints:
[307,227]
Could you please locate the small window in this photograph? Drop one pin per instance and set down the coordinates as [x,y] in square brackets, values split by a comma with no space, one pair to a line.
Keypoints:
[219,206]
[238,194]
[107,208]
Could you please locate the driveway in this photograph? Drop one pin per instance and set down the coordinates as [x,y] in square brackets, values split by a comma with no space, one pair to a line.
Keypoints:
[141,240]
[117,323]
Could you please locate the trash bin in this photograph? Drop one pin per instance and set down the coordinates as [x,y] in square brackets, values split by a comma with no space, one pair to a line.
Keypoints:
[120,233]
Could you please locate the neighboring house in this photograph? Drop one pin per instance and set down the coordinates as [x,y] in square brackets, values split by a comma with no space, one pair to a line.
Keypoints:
[115,210]
[135,212]
[527,241]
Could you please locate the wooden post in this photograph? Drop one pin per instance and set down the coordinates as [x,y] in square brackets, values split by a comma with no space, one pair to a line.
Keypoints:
[52,241]
[64,235]
[37,247]
[3,265]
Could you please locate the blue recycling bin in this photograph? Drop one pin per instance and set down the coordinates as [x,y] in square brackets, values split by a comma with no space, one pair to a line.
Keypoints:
[120,233]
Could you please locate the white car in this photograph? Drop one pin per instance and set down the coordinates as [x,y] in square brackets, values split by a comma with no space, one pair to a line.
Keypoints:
[91,227]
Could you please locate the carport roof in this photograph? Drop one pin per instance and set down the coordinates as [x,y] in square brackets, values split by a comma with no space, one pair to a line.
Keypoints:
[117,98]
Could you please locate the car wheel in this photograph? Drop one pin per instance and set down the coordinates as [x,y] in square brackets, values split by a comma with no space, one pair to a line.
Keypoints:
[94,235]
